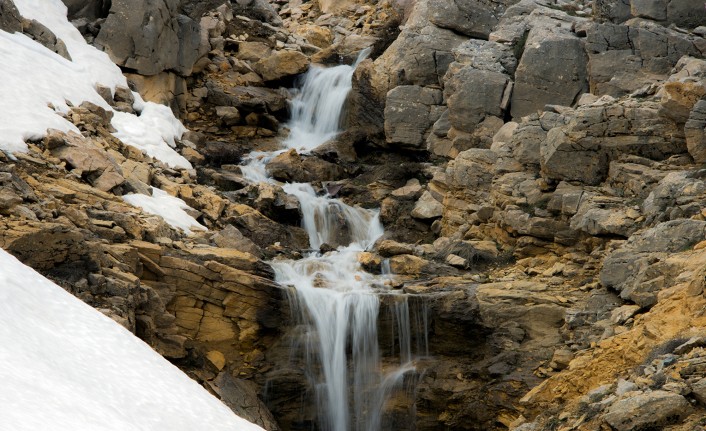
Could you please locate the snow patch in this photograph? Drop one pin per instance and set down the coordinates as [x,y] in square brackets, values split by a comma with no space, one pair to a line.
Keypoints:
[170,208]
[32,77]
[67,367]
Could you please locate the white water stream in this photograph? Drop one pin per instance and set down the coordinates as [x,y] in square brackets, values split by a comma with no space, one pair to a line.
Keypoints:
[332,293]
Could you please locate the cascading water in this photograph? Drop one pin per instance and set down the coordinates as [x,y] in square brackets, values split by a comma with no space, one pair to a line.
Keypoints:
[331,291]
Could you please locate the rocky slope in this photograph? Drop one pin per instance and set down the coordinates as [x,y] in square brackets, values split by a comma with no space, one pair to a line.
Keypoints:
[538,166]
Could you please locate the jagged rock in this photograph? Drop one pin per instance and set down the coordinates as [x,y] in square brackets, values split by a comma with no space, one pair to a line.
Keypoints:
[270,200]
[168,42]
[10,18]
[640,268]
[94,162]
[419,56]
[253,51]
[318,36]
[552,69]
[471,168]
[478,83]
[246,99]
[682,13]
[262,230]
[472,18]
[90,10]
[684,88]
[427,207]
[231,237]
[647,411]
[259,10]
[699,390]
[677,195]
[634,176]
[643,49]
[605,216]
[411,190]
[409,112]
[695,131]
[292,167]
[241,397]
[598,133]
[281,64]
[42,34]
[388,248]
[539,314]
[228,115]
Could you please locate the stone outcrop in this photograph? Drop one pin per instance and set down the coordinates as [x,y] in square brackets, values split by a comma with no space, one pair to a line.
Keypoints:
[168,42]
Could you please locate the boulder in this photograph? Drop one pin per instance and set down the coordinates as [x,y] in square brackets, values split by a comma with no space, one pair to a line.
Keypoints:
[246,99]
[10,18]
[420,55]
[409,112]
[292,167]
[478,83]
[427,207]
[640,268]
[281,64]
[472,18]
[259,10]
[168,41]
[90,10]
[651,410]
[93,162]
[552,69]
[263,231]
[685,87]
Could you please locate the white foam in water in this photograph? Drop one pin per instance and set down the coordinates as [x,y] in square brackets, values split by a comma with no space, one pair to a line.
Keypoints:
[332,292]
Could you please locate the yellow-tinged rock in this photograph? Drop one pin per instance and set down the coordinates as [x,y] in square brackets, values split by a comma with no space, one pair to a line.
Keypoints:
[217,359]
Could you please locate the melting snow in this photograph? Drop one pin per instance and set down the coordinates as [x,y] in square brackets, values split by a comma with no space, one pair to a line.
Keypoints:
[170,208]
[32,77]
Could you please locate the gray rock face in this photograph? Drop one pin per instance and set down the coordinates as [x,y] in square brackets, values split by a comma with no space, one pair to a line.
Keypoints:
[150,36]
[246,99]
[91,9]
[418,57]
[642,48]
[639,270]
[605,216]
[478,83]
[695,131]
[552,69]
[647,411]
[260,10]
[409,112]
[471,168]
[474,18]
[677,195]
[10,19]
[599,132]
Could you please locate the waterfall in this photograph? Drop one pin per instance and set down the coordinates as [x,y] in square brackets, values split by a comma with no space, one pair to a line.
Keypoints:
[332,294]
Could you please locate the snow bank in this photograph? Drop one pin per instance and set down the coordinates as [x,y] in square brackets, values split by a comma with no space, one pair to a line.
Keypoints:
[67,367]
[170,208]
[32,77]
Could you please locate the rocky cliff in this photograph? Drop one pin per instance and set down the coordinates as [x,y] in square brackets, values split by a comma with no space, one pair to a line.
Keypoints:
[537,165]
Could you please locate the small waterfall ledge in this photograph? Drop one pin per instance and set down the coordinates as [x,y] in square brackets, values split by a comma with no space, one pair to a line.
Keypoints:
[332,296]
